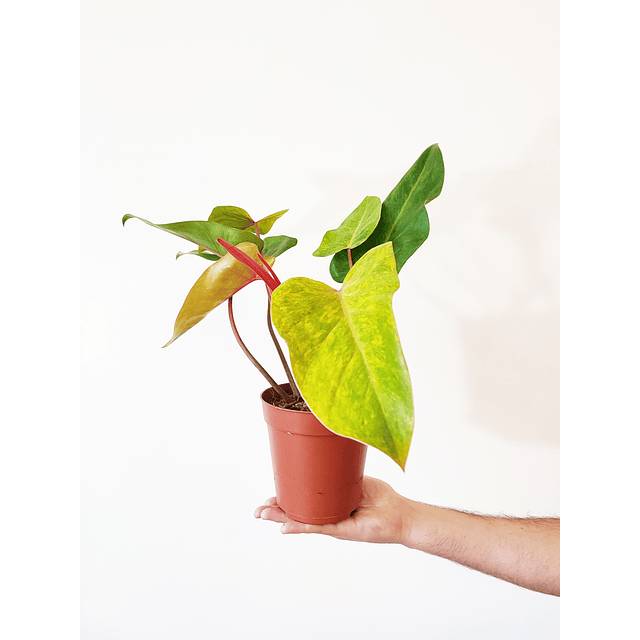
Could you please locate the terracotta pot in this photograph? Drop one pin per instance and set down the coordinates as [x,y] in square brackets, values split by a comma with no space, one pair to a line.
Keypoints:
[318,474]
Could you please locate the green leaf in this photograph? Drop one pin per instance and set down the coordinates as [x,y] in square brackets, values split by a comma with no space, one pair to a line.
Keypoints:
[239,219]
[204,233]
[355,229]
[275,246]
[346,354]
[231,217]
[219,282]
[265,224]
[203,254]
[405,245]
[403,219]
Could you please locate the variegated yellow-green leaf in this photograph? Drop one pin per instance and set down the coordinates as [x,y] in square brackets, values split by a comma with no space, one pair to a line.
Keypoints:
[346,354]
[265,224]
[239,219]
[218,283]
[355,229]
[204,233]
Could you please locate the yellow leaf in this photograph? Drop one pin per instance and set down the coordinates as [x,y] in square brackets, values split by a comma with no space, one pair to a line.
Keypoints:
[218,283]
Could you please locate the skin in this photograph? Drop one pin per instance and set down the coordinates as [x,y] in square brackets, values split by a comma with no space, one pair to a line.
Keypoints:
[523,551]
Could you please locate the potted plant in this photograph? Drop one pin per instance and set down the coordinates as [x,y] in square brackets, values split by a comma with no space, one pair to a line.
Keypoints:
[348,384]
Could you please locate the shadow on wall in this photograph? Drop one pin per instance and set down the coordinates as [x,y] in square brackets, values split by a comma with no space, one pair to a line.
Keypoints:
[495,244]
[512,353]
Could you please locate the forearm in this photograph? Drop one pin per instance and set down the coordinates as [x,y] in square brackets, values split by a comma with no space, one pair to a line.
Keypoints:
[524,551]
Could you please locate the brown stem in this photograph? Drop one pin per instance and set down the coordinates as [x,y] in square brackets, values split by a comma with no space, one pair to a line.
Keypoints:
[281,392]
[285,364]
[350,258]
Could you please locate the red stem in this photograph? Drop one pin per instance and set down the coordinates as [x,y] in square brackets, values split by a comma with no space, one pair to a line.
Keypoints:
[285,364]
[268,266]
[281,392]
[262,273]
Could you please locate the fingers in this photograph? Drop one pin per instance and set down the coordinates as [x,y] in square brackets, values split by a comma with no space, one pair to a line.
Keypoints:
[291,526]
[272,512]
[274,515]
[270,503]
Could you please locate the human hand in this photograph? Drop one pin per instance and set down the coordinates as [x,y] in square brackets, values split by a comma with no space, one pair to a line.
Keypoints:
[381,516]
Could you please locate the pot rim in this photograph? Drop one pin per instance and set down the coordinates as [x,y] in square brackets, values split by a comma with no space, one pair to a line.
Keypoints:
[297,422]
[291,421]
[287,387]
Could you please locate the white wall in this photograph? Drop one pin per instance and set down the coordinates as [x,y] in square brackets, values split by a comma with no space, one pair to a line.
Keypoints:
[311,106]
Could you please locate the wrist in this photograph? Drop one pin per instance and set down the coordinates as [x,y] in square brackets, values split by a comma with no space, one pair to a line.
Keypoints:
[419,526]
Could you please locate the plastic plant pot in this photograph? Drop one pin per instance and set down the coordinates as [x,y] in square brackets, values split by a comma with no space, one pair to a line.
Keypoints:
[318,474]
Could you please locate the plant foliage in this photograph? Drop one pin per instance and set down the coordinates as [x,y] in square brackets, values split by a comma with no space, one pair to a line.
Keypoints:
[226,276]
[344,347]
[357,227]
[218,283]
[346,355]
[403,219]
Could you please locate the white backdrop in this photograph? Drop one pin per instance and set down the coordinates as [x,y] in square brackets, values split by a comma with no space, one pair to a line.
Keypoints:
[311,106]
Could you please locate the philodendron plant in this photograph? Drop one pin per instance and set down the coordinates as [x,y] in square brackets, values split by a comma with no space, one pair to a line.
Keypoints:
[347,364]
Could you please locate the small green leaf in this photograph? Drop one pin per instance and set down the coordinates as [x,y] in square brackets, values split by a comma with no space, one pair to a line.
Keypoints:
[204,233]
[239,219]
[405,245]
[403,219]
[203,254]
[219,282]
[346,354]
[355,229]
[275,246]
[265,224]
[231,217]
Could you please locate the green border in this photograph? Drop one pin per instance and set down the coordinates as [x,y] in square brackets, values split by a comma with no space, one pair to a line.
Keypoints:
[599,321]
[39,442]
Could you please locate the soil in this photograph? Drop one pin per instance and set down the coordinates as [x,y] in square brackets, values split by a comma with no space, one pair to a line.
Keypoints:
[298,404]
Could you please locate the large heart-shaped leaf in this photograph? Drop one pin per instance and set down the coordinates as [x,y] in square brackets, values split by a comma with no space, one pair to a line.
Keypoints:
[346,354]
[239,219]
[219,282]
[355,229]
[403,219]
[204,233]
[275,246]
